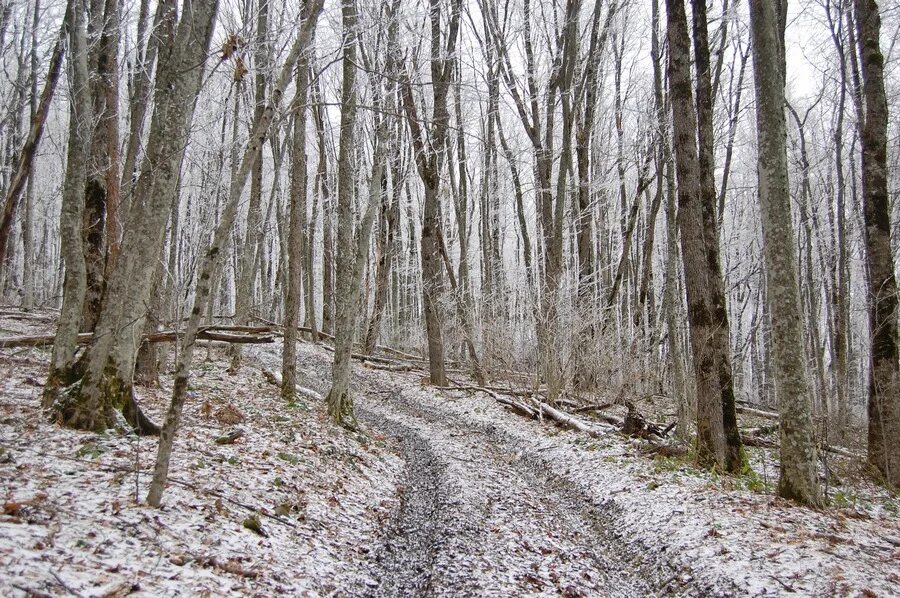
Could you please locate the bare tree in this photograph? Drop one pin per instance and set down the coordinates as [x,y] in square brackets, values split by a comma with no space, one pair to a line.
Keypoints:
[80,124]
[213,257]
[297,206]
[884,402]
[707,315]
[30,146]
[105,386]
[798,479]
[429,151]
[248,253]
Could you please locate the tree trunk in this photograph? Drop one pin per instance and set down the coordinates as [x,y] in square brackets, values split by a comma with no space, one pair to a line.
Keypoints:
[798,477]
[295,246]
[429,151]
[106,385]
[699,246]
[28,219]
[734,458]
[213,257]
[884,399]
[322,186]
[75,283]
[244,294]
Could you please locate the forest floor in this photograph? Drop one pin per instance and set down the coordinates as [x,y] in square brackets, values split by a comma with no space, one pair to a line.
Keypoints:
[440,493]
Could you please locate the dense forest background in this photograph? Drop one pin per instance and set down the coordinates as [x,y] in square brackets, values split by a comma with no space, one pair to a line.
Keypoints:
[682,209]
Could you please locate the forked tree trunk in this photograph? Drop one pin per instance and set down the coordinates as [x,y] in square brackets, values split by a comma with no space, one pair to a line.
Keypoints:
[735,460]
[699,248]
[105,387]
[389,206]
[798,476]
[101,193]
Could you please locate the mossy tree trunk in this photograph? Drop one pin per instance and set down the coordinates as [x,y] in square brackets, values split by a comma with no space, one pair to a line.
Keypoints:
[884,385]
[105,386]
[798,477]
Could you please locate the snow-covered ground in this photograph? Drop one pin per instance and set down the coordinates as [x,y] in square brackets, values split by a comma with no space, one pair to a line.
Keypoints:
[444,493]
[74,522]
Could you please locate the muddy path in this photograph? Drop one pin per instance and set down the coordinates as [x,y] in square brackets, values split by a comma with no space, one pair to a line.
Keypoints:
[480,515]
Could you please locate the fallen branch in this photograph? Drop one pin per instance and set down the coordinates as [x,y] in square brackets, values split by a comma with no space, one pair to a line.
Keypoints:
[275,379]
[757,412]
[400,367]
[227,334]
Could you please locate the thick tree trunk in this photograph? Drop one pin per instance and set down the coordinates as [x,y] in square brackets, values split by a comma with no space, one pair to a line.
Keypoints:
[798,477]
[884,385]
[105,387]
[699,245]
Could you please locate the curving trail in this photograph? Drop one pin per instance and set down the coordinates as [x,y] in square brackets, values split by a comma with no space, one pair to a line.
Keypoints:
[479,514]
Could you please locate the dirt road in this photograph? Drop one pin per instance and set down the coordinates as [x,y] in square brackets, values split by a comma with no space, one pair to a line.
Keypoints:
[480,514]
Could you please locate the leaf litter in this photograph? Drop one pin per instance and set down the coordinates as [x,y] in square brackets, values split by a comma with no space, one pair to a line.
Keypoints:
[443,493]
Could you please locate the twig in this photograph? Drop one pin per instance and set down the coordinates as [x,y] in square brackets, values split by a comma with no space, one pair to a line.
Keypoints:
[63,584]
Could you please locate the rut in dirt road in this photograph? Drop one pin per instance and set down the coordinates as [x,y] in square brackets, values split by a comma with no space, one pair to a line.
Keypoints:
[476,521]
[478,515]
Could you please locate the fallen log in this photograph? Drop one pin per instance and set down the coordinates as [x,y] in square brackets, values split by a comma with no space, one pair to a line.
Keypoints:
[370,358]
[537,411]
[226,334]
[570,421]
[756,437]
[392,368]
[275,379]
[517,406]
[759,442]
[756,412]
[25,315]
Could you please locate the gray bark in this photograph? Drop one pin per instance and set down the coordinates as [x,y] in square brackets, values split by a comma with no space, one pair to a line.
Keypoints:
[213,257]
[884,380]
[798,478]
[105,386]
[75,283]
[244,293]
[298,183]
